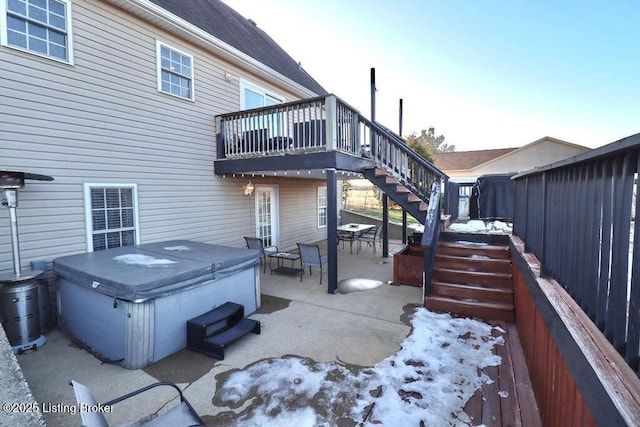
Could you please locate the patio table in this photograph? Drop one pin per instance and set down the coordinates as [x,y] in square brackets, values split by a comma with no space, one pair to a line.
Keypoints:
[282,269]
[353,230]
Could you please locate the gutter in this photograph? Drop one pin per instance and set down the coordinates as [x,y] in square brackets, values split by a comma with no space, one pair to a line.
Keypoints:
[156,15]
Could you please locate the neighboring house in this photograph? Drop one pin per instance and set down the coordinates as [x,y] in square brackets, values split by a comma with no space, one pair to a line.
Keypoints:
[116,100]
[467,166]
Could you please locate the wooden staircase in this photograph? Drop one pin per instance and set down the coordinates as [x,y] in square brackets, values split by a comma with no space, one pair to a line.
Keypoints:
[472,279]
[397,192]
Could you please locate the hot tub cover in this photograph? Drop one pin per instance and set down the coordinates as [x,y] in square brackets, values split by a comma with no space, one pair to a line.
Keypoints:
[143,272]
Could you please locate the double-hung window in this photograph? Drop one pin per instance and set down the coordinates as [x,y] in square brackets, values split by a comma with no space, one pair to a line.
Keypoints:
[175,72]
[322,207]
[42,27]
[111,212]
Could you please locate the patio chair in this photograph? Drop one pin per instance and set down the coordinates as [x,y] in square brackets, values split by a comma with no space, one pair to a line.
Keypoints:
[310,255]
[182,414]
[346,236]
[370,237]
[256,243]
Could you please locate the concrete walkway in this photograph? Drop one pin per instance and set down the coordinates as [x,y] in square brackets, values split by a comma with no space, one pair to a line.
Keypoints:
[298,318]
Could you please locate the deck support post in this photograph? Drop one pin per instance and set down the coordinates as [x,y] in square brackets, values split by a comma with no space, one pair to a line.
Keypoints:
[332,225]
[385,226]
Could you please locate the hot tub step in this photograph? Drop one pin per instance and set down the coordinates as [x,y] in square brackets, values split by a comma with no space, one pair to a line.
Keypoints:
[211,332]
[214,346]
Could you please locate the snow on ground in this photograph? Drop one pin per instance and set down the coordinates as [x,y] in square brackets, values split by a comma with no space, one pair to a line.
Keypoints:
[479,226]
[437,370]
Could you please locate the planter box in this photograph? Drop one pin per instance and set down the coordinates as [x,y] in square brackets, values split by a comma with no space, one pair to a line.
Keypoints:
[408,266]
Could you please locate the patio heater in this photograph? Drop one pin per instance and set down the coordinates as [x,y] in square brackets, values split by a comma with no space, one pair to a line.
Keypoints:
[19,308]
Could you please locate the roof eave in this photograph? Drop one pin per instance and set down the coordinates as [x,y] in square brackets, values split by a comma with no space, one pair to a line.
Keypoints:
[164,19]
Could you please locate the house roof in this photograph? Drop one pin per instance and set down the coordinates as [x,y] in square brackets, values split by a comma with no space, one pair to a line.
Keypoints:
[224,23]
[458,160]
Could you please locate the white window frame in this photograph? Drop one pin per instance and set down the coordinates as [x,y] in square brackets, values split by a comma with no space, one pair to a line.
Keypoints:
[159,46]
[4,36]
[88,210]
[323,208]
[266,93]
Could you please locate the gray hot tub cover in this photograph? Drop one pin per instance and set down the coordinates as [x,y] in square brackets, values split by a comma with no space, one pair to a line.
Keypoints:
[143,272]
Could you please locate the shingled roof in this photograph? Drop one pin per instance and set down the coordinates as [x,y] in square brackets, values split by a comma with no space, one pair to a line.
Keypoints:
[224,23]
[461,160]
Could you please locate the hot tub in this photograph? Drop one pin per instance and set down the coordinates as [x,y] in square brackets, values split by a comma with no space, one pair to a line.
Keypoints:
[131,304]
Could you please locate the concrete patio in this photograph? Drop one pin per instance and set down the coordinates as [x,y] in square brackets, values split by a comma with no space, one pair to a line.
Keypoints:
[298,318]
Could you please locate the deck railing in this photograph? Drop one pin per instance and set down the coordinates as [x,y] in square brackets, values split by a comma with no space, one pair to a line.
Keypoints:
[322,124]
[578,218]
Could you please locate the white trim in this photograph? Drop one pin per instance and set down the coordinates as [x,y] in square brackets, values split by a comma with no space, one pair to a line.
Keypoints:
[318,206]
[88,220]
[166,20]
[69,27]
[159,45]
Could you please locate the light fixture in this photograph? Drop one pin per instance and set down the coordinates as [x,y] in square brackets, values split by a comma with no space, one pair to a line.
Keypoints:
[248,190]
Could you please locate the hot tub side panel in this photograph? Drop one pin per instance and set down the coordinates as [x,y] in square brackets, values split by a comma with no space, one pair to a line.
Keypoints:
[92,319]
[173,312]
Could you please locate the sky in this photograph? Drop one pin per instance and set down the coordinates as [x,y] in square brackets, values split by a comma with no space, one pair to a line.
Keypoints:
[430,379]
[483,73]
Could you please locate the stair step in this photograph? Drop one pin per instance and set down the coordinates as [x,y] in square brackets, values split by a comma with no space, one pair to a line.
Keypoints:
[467,292]
[389,179]
[470,249]
[215,345]
[379,172]
[211,332]
[479,278]
[217,319]
[474,263]
[489,311]
[401,189]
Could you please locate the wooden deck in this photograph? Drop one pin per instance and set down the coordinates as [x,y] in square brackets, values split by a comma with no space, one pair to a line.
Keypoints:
[509,399]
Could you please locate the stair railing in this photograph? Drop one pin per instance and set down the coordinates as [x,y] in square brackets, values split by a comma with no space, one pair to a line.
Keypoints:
[430,236]
[392,153]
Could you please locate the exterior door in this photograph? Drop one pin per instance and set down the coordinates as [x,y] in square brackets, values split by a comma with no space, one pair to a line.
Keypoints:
[267,215]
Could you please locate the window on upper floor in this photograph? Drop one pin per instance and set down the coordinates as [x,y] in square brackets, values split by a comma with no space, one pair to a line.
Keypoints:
[111,212]
[322,207]
[175,72]
[42,27]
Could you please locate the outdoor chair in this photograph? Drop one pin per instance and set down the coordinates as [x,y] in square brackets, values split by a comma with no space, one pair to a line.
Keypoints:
[256,243]
[370,237]
[182,414]
[346,236]
[310,255]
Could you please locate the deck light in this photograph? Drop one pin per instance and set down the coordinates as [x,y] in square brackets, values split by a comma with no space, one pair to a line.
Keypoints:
[248,190]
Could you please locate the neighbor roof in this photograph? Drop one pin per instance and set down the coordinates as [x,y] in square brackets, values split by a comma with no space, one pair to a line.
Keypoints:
[459,160]
[224,23]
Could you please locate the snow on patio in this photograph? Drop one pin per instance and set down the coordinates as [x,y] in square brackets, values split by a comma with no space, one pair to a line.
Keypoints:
[431,378]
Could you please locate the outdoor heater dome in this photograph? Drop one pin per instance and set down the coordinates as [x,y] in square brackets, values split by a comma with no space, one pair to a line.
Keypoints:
[18,291]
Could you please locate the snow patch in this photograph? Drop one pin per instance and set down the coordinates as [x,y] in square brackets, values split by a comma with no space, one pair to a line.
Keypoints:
[431,378]
[143,260]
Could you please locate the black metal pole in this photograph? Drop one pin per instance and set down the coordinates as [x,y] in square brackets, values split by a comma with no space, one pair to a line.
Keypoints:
[404,212]
[373,110]
[332,238]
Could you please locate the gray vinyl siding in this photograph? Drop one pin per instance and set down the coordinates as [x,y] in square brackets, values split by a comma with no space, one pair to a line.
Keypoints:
[102,120]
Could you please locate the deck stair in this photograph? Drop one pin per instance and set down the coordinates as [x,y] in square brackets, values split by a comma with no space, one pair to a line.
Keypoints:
[472,279]
[397,192]
[211,332]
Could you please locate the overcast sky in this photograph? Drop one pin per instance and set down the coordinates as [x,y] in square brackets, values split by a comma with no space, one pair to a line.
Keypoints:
[485,73]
